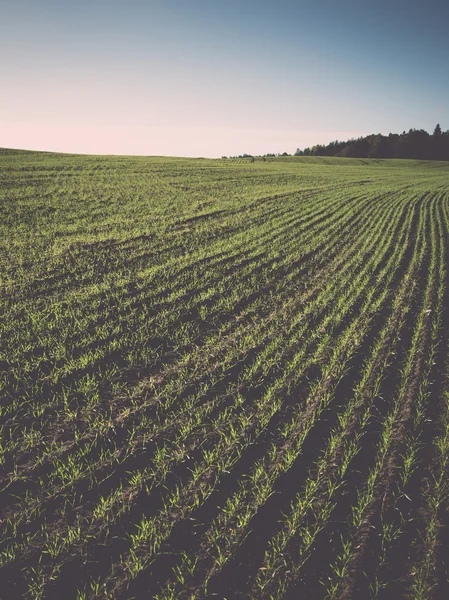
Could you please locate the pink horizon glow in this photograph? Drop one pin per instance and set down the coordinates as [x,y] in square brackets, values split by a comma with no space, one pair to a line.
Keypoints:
[84,138]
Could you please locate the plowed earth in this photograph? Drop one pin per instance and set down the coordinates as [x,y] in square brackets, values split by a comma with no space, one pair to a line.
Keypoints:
[223,378]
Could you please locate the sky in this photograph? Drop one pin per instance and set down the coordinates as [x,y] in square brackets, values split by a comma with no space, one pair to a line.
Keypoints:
[218,77]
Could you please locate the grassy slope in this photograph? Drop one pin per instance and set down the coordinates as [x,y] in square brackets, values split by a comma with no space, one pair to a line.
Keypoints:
[141,293]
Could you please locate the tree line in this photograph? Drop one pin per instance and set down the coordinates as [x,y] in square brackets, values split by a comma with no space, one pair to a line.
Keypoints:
[416,143]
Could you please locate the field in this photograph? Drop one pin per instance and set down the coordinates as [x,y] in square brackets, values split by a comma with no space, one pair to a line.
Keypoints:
[223,379]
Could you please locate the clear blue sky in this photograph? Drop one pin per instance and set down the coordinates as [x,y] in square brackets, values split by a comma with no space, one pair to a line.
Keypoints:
[213,77]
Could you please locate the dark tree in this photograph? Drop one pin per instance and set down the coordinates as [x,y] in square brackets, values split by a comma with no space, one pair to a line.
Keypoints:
[415,143]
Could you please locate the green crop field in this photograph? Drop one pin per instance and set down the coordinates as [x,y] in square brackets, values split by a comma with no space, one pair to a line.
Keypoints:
[223,378]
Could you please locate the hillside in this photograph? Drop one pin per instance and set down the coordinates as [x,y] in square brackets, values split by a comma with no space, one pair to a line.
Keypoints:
[223,378]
